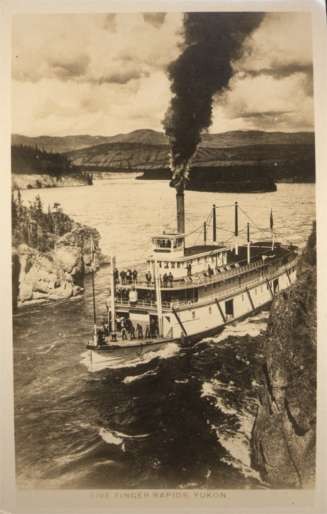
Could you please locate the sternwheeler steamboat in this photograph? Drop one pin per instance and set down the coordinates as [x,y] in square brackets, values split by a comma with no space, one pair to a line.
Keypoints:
[186,293]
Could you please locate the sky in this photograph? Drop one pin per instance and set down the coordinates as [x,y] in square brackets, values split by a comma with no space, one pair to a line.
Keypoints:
[104,74]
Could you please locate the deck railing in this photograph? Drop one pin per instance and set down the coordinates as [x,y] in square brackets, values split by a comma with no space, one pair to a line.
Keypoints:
[225,292]
[202,278]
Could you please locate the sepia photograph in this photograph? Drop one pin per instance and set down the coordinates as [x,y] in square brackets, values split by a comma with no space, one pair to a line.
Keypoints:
[163,220]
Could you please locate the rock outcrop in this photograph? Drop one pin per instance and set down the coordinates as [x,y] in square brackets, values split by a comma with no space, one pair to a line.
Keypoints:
[284,433]
[51,254]
[56,274]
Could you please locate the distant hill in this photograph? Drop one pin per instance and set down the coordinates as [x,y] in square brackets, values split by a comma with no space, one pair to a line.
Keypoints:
[151,137]
[283,156]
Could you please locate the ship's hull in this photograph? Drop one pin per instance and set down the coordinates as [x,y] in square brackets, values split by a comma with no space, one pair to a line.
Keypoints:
[189,324]
[127,347]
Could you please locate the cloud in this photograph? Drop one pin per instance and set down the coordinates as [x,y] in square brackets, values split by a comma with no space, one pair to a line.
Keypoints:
[106,73]
[273,82]
[68,67]
[49,46]
[109,22]
[122,76]
[155,19]
[280,71]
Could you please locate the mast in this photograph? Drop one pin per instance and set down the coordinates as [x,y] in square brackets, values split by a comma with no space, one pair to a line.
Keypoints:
[236,228]
[113,293]
[158,298]
[272,230]
[93,292]
[248,244]
[180,209]
[214,224]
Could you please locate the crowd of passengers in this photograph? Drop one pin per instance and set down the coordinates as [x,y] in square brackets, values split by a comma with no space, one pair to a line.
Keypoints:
[127,330]
[129,276]
[125,276]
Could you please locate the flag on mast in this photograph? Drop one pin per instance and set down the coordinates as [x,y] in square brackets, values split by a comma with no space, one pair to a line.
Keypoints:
[92,254]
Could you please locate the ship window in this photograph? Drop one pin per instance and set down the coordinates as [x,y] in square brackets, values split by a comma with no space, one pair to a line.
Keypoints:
[172,264]
[229,308]
[193,314]
[159,262]
[178,264]
[166,265]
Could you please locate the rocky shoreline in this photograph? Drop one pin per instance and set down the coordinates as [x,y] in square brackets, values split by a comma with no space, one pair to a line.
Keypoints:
[39,181]
[51,253]
[284,433]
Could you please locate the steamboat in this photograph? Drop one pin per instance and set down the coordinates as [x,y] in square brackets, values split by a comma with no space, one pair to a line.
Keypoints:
[186,292]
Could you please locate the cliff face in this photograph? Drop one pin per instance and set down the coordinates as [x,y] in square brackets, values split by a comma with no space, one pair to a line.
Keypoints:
[55,274]
[284,433]
[51,254]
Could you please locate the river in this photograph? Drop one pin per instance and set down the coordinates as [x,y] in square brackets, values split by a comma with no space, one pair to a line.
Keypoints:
[163,417]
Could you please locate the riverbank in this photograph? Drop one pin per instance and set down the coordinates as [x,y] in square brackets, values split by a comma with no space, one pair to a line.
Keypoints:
[284,433]
[39,181]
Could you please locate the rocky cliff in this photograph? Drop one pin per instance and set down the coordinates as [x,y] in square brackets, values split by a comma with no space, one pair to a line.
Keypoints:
[284,433]
[51,253]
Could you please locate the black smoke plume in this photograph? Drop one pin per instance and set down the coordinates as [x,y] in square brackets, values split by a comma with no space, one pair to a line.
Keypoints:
[212,41]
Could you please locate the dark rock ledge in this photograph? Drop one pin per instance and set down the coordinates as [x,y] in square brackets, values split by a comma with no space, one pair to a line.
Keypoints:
[284,432]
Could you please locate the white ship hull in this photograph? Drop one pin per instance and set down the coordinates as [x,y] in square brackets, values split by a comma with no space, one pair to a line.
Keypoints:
[190,323]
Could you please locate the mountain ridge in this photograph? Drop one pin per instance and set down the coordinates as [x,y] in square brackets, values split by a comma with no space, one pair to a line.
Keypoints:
[63,144]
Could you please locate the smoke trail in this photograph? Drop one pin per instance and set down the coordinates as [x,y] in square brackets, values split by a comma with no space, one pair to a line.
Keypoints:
[211,42]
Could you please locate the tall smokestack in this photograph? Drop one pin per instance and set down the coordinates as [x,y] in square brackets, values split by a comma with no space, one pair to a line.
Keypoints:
[180,210]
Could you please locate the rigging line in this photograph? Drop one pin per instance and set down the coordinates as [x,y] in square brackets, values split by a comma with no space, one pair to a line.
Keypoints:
[251,219]
[223,206]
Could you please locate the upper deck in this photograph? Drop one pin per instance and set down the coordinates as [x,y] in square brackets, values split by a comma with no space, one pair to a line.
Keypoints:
[195,287]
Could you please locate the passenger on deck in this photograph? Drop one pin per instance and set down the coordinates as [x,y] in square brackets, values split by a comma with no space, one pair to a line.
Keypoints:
[116,276]
[165,279]
[134,275]
[123,333]
[123,277]
[170,279]
[129,276]
[148,277]
[100,337]
[105,328]
[139,331]
[189,270]
[130,328]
